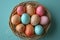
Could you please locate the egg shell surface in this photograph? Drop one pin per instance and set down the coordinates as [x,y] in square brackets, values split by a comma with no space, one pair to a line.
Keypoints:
[44,20]
[39,30]
[40,10]
[30,9]
[25,18]
[20,28]
[15,19]
[35,19]
[29,30]
[20,10]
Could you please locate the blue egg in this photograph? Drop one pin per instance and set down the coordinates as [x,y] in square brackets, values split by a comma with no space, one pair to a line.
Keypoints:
[39,30]
[25,18]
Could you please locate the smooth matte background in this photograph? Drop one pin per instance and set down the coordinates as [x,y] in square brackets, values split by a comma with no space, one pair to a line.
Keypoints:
[6,7]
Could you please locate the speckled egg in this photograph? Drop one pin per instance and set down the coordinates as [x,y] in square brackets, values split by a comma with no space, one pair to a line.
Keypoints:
[29,30]
[30,9]
[35,19]
[20,28]
[25,18]
[15,19]
[44,20]
[40,10]
[39,30]
[20,10]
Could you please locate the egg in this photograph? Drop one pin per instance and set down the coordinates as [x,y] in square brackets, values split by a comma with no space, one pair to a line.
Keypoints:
[40,10]
[39,30]
[44,20]
[29,30]
[20,28]
[25,18]
[20,10]
[30,9]
[15,19]
[35,19]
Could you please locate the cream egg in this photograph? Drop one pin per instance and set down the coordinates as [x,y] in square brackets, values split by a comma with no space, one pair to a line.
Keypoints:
[35,19]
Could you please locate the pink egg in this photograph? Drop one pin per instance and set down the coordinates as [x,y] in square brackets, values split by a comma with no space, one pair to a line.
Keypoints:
[40,10]
[20,10]
[44,20]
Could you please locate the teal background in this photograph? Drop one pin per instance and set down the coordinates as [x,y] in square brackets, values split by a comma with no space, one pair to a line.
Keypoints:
[6,7]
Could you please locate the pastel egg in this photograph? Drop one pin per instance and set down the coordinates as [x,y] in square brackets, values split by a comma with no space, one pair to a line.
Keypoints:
[29,30]
[35,19]
[39,30]
[40,10]
[44,20]
[20,10]
[15,19]
[25,18]
[30,9]
[20,28]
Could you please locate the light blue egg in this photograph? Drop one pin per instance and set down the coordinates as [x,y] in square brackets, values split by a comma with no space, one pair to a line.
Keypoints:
[39,30]
[25,18]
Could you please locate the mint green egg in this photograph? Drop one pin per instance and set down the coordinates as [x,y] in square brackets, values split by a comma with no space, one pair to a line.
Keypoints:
[39,30]
[25,18]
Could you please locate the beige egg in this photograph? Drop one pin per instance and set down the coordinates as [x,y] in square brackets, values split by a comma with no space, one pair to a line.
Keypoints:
[15,19]
[35,19]
[20,28]
[30,9]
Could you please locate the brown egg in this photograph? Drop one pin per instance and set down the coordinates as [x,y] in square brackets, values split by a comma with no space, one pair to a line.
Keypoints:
[20,28]
[29,30]
[35,19]
[15,19]
[30,9]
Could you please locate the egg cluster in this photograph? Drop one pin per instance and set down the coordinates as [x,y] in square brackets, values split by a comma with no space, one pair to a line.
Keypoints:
[30,20]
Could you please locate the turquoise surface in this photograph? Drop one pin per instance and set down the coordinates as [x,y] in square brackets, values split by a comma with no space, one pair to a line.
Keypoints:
[25,18]
[39,30]
[6,7]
